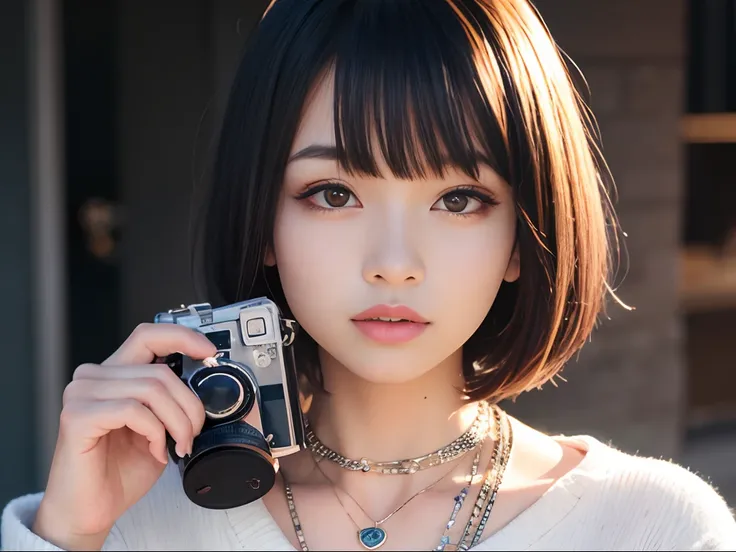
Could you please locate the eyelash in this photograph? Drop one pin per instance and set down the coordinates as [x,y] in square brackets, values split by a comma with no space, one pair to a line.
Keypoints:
[487,201]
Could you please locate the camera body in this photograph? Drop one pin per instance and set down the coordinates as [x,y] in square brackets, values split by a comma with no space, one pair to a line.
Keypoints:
[249,391]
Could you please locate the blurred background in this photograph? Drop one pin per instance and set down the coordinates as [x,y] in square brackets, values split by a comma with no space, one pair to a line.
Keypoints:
[108,109]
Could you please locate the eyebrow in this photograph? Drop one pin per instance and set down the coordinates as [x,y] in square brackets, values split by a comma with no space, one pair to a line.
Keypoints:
[315,151]
[329,153]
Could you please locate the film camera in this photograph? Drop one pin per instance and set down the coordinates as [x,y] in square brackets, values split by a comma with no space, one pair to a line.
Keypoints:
[250,396]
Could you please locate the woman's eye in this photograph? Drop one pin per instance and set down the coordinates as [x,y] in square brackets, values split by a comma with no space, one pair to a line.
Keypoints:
[329,196]
[456,203]
[336,197]
[463,202]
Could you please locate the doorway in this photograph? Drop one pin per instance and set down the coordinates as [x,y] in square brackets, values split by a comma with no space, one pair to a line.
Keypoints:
[144,85]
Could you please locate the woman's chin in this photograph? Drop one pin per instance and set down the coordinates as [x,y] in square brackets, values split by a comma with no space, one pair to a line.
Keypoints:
[387,373]
[399,365]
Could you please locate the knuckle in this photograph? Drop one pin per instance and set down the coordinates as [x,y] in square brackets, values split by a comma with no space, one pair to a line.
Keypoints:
[153,388]
[165,374]
[129,407]
[161,371]
[141,329]
[84,370]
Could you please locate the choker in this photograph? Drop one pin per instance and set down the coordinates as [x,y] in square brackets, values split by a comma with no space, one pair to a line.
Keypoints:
[468,441]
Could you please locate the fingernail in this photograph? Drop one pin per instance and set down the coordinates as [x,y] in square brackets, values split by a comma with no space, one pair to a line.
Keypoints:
[179,452]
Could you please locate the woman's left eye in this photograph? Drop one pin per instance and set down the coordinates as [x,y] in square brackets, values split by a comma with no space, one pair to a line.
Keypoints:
[464,202]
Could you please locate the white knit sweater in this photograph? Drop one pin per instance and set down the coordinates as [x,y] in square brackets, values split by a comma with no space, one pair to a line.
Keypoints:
[611,501]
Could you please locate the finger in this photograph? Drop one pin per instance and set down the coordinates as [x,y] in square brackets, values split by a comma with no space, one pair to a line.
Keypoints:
[150,392]
[185,397]
[149,341]
[91,420]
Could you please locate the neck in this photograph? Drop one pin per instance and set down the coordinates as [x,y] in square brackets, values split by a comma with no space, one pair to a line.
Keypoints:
[385,422]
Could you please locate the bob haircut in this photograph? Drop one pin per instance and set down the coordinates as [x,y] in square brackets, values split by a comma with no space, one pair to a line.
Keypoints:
[434,81]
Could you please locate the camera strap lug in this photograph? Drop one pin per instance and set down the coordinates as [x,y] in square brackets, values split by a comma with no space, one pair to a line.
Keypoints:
[288,331]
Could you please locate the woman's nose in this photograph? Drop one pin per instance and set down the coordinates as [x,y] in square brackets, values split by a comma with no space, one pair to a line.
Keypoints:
[394,257]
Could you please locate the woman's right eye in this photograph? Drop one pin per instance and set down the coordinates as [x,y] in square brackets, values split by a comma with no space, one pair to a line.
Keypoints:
[329,197]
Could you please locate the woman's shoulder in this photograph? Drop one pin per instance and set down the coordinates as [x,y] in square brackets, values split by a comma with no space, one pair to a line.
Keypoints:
[645,476]
[647,502]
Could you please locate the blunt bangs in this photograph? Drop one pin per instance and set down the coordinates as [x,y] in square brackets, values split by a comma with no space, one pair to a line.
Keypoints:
[407,91]
[423,86]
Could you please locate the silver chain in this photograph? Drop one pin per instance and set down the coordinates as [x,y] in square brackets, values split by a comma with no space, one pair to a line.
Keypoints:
[467,442]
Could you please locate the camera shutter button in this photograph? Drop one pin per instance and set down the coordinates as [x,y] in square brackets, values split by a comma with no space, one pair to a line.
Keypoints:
[261,359]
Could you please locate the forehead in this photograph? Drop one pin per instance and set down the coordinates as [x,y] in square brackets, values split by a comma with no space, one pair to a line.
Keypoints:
[317,121]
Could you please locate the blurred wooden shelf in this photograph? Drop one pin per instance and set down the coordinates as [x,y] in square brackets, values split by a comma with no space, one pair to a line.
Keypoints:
[709,128]
[708,280]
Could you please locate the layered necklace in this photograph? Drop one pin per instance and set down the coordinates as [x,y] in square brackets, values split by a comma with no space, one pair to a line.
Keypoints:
[468,441]
[489,421]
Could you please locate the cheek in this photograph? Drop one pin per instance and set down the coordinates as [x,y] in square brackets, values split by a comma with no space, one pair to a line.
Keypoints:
[467,270]
[312,261]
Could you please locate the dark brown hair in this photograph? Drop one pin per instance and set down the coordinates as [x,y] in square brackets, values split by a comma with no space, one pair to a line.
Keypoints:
[433,80]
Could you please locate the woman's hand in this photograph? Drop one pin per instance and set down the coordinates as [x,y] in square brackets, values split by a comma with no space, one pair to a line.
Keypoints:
[111,447]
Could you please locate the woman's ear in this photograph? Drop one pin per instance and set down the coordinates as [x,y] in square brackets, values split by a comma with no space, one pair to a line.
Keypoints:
[514,268]
[270,259]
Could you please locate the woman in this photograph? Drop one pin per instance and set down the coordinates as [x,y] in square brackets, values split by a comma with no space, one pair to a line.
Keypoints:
[417,184]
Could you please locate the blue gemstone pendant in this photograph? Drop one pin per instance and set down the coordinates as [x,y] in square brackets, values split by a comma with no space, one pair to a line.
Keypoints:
[372,537]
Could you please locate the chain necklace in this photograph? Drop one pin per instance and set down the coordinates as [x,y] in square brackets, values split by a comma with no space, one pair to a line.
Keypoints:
[503,436]
[487,481]
[500,470]
[494,475]
[374,537]
[459,501]
[468,441]
[483,504]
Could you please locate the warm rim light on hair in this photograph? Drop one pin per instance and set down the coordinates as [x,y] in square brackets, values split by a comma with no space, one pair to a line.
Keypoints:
[420,84]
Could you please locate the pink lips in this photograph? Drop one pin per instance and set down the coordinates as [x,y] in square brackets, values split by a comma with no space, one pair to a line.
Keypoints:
[411,326]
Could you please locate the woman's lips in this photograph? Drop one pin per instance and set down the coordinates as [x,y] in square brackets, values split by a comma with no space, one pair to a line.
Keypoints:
[390,332]
[406,326]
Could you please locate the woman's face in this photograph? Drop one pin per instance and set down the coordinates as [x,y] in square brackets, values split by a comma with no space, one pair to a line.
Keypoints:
[363,242]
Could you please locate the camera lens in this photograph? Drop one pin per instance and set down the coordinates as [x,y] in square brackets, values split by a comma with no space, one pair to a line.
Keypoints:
[221,394]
